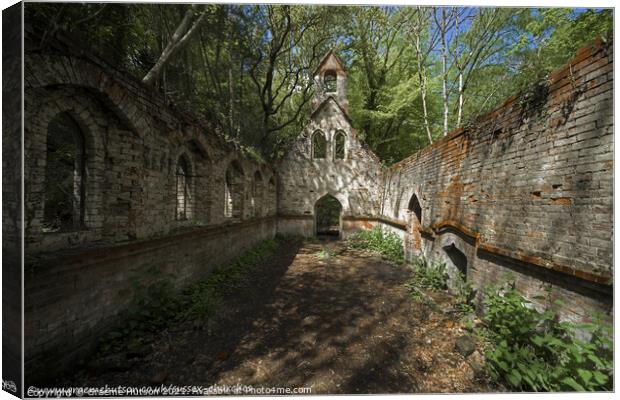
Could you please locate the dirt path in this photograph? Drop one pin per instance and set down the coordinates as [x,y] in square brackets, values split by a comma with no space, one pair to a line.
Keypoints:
[339,323]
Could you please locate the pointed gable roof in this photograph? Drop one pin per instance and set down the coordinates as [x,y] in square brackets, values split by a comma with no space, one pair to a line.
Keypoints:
[330,56]
[324,103]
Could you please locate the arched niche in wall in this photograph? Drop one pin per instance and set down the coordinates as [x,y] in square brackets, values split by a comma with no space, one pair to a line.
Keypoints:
[415,208]
[234,191]
[413,245]
[272,207]
[457,258]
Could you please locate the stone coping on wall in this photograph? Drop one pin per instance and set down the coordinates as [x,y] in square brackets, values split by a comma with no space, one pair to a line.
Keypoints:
[60,260]
[518,255]
[437,228]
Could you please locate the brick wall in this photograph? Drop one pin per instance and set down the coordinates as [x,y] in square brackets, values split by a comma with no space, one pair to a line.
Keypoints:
[525,189]
[74,296]
[78,281]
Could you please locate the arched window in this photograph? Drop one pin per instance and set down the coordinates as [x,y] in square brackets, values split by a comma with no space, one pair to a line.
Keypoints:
[233,191]
[65,176]
[319,145]
[339,145]
[183,189]
[415,208]
[330,82]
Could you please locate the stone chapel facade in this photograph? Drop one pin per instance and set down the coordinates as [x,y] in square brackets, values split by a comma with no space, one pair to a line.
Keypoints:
[328,159]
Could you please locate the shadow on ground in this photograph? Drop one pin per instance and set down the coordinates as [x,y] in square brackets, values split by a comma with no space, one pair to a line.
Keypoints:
[319,315]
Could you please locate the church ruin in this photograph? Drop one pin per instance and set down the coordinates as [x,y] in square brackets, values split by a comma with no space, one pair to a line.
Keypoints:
[525,190]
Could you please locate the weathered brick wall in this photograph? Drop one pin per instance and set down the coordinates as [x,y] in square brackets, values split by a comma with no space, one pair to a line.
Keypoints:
[133,143]
[78,281]
[527,188]
[72,297]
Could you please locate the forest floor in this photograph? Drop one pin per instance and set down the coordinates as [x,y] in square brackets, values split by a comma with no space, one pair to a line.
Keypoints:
[319,316]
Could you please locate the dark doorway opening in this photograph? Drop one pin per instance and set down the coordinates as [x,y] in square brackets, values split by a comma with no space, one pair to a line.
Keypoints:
[327,213]
[457,257]
[415,207]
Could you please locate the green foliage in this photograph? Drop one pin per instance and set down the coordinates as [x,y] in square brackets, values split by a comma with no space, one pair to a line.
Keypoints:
[158,305]
[326,252]
[533,351]
[465,293]
[387,243]
[429,275]
[248,69]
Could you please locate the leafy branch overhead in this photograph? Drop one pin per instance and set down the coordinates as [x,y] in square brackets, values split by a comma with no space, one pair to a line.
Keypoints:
[414,73]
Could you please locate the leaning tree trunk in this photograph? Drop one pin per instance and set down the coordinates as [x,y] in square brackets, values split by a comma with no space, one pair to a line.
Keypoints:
[179,39]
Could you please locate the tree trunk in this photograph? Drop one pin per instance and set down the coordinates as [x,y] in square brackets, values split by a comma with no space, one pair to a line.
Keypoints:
[444,70]
[178,40]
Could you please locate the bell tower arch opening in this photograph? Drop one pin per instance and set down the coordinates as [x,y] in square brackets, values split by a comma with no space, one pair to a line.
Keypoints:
[328,217]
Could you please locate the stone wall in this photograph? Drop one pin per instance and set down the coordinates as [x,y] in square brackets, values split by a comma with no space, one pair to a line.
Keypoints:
[303,180]
[74,296]
[526,189]
[77,281]
[352,175]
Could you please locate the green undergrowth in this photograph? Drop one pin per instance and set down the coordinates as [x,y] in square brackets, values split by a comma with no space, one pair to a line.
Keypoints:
[427,275]
[159,305]
[388,244]
[533,351]
[526,349]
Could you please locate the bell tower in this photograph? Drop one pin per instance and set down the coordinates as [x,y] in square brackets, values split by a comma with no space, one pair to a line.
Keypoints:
[330,80]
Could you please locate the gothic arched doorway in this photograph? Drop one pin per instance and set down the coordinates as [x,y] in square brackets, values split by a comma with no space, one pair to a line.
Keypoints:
[327,211]
[414,242]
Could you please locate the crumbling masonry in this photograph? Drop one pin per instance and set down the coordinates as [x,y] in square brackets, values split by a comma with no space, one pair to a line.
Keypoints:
[526,189]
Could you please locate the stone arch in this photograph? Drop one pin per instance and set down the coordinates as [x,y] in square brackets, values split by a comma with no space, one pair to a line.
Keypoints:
[413,245]
[415,208]
[340,145]
[234,190]
[319,145]
[47,70]
[328,217]
[42,109]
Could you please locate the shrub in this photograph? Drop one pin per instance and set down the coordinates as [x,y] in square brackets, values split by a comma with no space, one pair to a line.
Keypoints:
[429,275]
[533,351]
[387,243]
[465,294]
[158,305]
